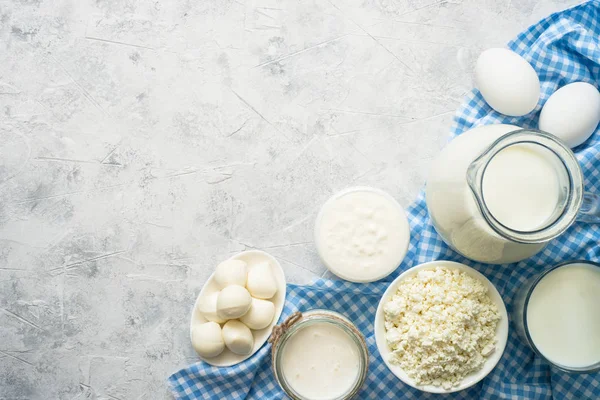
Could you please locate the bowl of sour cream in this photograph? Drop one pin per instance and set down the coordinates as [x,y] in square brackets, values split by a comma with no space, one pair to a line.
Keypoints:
[362,234]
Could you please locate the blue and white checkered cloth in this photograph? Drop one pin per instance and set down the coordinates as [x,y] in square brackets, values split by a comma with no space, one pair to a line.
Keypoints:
[563,48]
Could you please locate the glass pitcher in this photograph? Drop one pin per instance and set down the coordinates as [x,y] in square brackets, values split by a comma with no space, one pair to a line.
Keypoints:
[481,217]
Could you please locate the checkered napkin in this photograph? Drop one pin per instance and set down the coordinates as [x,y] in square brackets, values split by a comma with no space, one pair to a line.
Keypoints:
[563,48]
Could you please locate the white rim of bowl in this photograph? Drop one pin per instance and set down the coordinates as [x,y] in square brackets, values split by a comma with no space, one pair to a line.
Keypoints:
[500,343]
[341,193]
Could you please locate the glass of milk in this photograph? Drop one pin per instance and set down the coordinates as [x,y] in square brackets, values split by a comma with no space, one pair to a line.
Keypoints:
[323,356]
[557,315]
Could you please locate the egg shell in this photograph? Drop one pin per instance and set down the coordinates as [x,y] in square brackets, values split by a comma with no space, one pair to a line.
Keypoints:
[231,272]
[507,82]
[233,302]
[238,337]
[207,339]
[261,281]
[207,306]
[260,314]
[572,113]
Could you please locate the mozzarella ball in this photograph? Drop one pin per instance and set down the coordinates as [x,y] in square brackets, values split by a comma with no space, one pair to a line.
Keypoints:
[233,302]
[207,306]
[231,272]
[260,315]
[507,82]
[238,337]
[261,281]
[207,339]
[572,113]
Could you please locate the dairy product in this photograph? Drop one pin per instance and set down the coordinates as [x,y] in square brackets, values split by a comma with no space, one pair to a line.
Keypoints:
[233,302]
[563,318]
[452,206]
[231,272]
[223,299]
[261,281]
[207,306]
[441,326]
[321,361]
[238,337]
[207,339]
[362,234]
[260,314]
[521,187]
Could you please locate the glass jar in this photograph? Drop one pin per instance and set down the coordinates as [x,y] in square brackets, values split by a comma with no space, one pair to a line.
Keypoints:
[283,336]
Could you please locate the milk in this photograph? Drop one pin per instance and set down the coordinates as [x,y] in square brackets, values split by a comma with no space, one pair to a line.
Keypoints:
[563,316]
[321,361]
[521,187]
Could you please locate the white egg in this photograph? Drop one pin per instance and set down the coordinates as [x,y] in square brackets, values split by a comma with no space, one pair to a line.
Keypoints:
[207,339]
[207,306]
[259,315]
[507,82]
[238,337]
[261,281]
[231,272]
[572,113]
[233,302]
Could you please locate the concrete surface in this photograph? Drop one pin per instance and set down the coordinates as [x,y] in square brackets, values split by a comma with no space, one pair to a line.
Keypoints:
[142,142]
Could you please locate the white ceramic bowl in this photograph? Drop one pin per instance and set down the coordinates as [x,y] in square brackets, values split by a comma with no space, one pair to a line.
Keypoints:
[403,244]
[491,361]
[228,358]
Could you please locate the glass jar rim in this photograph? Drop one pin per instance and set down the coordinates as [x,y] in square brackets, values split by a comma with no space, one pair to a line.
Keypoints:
[476,172]
[583,370]
[312,317]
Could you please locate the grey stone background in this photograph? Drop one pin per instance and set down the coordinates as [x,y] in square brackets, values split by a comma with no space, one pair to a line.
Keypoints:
[142,142]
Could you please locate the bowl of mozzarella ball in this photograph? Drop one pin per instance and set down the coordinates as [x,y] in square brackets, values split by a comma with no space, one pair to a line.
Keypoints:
[237,308]
[441,327]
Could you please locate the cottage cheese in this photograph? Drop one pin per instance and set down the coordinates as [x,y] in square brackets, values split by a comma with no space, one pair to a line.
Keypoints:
[440,326]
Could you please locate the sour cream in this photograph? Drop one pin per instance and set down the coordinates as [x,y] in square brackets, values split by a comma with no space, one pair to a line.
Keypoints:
[362,234]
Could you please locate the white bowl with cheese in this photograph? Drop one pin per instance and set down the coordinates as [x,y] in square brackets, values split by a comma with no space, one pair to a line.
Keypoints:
[501,332]
[227,358]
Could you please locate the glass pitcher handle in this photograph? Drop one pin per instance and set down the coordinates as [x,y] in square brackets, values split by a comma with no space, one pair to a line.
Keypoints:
[590,208]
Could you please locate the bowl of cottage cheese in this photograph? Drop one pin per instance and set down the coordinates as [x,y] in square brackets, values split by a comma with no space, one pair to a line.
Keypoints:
[441,327]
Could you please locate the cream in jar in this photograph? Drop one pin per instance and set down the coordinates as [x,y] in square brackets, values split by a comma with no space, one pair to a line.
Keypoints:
[321,357]
[321,361]
[362,234]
